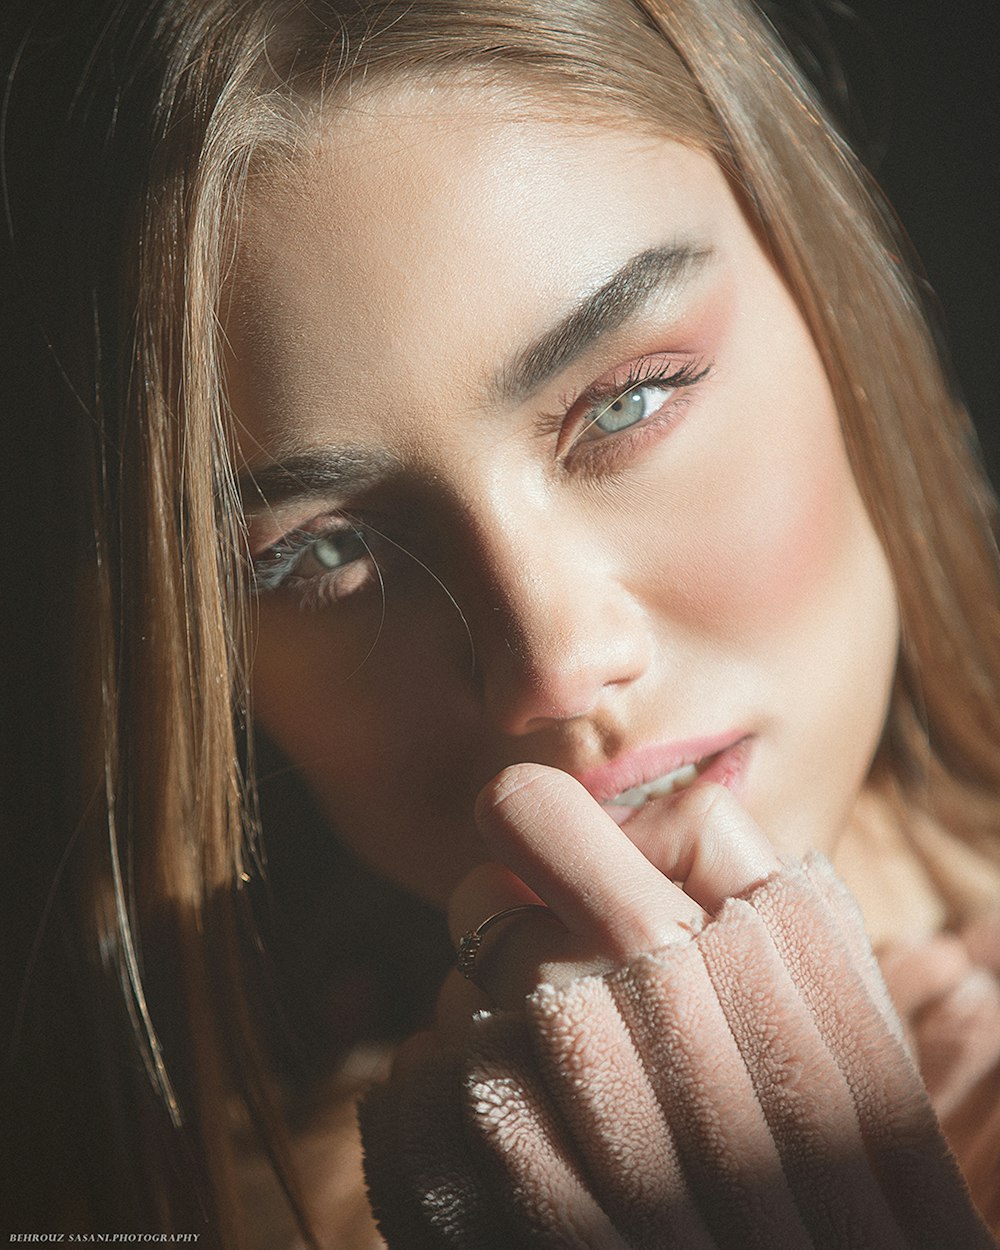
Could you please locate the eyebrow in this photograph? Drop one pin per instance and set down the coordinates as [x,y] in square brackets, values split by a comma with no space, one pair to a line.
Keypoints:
[612,305]
[310,474]
[326,472]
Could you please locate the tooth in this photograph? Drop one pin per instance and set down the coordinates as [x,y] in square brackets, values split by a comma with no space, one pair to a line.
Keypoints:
[638,795]
[630,798]
[676,780]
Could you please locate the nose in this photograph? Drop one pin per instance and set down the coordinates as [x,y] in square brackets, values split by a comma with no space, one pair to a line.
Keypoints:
[558,635]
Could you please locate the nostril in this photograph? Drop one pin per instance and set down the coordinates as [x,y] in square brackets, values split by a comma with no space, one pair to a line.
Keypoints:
[525,689]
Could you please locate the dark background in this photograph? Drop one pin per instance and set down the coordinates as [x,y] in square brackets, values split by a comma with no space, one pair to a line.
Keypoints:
[922,96]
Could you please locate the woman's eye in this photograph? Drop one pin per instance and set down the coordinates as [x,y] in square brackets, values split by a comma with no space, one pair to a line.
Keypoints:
[648,393]
[337,559]
[330,552]
[628,409]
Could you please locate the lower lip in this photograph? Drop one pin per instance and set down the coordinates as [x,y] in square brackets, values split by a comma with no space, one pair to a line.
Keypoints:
[728,769]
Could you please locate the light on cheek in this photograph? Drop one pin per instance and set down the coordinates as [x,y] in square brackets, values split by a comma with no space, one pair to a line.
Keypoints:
[766,531]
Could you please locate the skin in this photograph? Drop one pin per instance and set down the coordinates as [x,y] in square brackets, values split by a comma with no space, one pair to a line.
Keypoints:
[542,594]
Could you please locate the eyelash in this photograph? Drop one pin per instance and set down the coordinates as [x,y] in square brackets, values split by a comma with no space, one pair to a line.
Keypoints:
[648,372]
[274,569]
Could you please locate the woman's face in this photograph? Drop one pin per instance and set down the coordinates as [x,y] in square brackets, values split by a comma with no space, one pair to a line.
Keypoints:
[541,464]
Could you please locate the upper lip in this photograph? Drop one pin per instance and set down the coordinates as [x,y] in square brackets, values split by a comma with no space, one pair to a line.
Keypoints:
[646,764]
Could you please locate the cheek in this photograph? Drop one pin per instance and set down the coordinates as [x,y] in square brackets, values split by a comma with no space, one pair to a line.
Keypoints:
[775,573]
[307,675]
[763,529]
[354,702]
[778,532]
[386,745]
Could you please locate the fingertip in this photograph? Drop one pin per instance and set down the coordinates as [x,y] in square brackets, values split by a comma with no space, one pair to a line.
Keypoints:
[497,789]
[507,792]
[711,806]
[724,852]
[706,797]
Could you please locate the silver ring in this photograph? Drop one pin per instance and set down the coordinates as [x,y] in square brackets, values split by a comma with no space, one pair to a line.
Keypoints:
[469,943]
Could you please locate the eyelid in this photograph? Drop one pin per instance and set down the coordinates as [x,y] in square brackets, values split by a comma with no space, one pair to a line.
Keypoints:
[272,566]
[675,370]
[626,376]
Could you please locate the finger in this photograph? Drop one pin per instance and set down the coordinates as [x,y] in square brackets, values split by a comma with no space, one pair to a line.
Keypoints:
[545,827]
[564,846]
[518,953]
[958,1039]
[708,841]
[917,974]
[489,888]
[982,940]
[457,1002]
[412,1053]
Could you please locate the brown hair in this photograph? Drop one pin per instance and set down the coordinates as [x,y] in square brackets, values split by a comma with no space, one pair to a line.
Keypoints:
[224,93]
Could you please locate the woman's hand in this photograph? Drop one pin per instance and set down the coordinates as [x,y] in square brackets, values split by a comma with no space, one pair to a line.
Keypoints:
[555,845]
[745,1087]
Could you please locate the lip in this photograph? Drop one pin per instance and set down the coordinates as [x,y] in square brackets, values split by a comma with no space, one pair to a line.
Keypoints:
[646,764]
[726,767]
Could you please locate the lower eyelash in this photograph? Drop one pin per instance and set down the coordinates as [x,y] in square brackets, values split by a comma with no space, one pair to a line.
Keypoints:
[273,568]
[329,589]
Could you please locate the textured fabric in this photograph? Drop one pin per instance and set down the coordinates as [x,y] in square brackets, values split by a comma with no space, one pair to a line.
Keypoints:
[750,1086]
[947,991]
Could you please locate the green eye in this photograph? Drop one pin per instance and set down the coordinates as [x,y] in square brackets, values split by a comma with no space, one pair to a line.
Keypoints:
[331,551]
[303,556]
[629,409]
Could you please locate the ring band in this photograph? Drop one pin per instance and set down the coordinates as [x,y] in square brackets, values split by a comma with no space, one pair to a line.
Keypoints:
[469,943]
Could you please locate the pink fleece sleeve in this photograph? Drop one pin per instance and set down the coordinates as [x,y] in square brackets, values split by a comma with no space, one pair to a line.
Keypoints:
[746,1087]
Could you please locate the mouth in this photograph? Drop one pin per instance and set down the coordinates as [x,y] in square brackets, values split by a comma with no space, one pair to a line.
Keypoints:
[660,787]
[723,760]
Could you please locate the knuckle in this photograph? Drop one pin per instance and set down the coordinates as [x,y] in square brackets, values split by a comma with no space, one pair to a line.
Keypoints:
[703,814]
[640,924]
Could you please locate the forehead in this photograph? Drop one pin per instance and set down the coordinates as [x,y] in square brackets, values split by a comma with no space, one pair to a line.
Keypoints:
[423,235]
